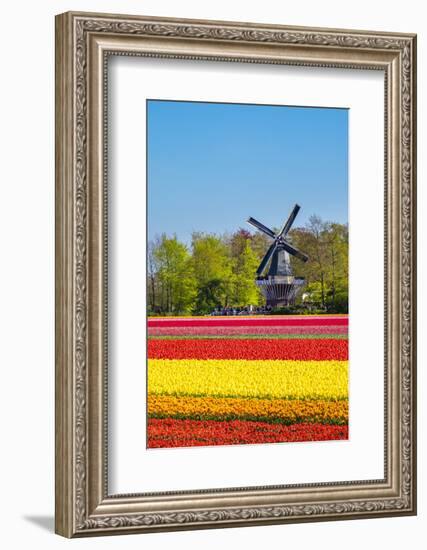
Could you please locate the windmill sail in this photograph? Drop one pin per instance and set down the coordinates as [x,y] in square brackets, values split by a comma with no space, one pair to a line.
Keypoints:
[261,227]
[266,258]
[285,229]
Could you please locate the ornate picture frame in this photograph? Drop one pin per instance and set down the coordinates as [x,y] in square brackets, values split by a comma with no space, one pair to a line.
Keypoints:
[84,42]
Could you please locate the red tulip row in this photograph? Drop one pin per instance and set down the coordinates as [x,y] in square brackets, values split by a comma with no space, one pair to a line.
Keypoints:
[259,349]
[167,432]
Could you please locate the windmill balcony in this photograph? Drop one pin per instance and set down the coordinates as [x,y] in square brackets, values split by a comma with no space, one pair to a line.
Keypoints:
[280,290]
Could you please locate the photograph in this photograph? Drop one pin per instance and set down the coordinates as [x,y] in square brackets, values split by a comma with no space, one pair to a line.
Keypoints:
[247,274]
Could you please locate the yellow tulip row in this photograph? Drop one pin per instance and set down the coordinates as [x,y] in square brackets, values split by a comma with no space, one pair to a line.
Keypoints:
[324,380]
[289,411]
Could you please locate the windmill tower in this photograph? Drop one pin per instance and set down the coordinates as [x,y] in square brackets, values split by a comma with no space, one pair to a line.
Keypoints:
[278,285]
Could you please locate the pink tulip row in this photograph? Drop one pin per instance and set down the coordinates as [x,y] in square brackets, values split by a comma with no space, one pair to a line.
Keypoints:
[272,321]
[256,330]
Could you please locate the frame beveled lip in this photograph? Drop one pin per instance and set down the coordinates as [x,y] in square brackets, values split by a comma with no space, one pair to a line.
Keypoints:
[83,43]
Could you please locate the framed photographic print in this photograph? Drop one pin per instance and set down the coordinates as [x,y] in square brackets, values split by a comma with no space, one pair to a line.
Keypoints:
[235,274]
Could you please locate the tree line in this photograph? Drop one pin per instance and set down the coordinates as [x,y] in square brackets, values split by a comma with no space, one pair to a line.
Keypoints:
[219,270]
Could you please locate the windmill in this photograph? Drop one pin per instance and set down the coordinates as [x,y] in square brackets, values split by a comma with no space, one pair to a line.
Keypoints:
[278,285]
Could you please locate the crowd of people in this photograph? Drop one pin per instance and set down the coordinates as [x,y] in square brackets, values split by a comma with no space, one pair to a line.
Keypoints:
[245,310]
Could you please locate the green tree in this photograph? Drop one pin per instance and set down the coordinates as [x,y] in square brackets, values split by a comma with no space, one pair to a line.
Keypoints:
[244,264]
[317,229]
[152,276]
[174,275]
[326,272]
[336,238]
[212,272]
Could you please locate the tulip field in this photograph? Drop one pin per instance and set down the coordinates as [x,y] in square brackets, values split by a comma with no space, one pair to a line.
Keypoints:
[240,380]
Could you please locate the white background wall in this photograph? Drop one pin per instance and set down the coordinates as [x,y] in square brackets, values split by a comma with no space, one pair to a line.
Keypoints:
[27,273]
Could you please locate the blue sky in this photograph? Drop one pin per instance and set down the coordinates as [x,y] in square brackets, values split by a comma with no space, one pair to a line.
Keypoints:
[212,165]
